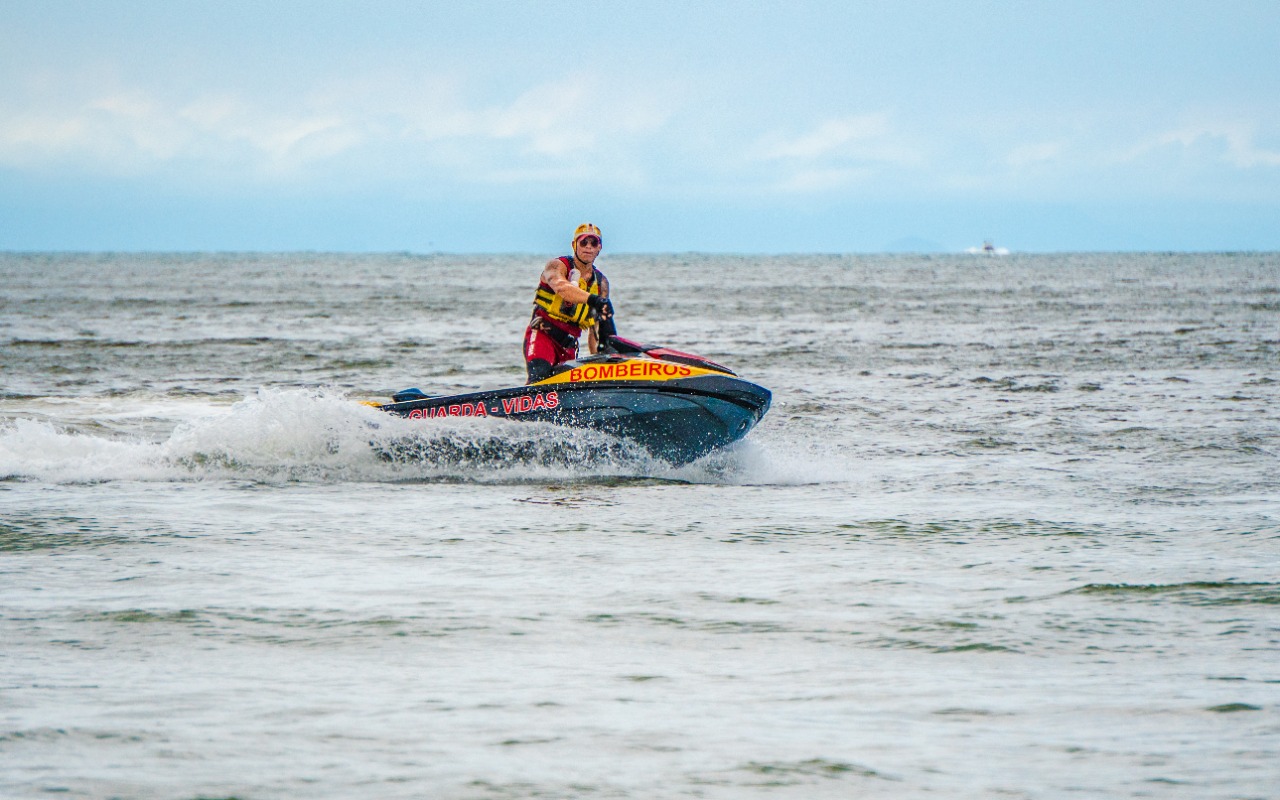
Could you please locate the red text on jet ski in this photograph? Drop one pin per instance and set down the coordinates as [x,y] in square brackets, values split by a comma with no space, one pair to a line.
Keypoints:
[629,369]
[510,405]
[519,405]
[455,410]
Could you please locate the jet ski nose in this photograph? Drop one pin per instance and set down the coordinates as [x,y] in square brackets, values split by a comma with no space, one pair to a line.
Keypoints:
[405,395]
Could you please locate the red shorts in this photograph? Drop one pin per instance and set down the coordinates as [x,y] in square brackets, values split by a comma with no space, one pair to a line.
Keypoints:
[539,344]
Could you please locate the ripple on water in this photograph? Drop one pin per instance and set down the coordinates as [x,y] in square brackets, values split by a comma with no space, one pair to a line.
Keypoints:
[24,533]
[296,628]
[792,773]
[1196,593]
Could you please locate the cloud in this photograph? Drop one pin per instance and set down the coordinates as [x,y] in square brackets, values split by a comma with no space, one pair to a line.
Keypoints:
[132,131]
[835,153]
[1032,154]
[821,180]
[864,137]
[340,127]
[1229,141]
[553,119]
[450,130]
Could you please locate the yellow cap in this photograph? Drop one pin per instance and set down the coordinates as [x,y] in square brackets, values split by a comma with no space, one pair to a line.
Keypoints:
[586,229]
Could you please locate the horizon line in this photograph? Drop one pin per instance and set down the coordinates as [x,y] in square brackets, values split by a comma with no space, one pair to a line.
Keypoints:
[353,252]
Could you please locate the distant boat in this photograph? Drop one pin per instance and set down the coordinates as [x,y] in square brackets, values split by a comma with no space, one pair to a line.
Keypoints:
[988,248]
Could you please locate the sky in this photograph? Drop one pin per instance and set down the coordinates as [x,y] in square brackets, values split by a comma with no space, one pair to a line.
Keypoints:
[741,127]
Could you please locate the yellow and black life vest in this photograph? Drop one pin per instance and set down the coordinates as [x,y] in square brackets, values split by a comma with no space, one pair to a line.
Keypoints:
[551,305]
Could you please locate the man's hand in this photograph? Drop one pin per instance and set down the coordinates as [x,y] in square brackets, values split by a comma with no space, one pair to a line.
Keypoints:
[601,306]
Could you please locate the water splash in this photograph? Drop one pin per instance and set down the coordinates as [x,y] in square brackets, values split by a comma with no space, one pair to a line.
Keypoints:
[281,435]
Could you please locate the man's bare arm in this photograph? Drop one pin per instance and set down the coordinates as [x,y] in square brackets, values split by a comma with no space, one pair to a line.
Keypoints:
[556,275]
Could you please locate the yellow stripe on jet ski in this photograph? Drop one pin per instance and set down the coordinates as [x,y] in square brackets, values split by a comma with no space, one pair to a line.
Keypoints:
[632,369]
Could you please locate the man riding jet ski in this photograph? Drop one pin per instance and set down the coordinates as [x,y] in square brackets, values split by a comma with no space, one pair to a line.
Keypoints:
[572,296]
[677,405]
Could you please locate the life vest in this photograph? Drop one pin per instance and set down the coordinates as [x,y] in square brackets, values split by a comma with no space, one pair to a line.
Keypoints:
[552,306]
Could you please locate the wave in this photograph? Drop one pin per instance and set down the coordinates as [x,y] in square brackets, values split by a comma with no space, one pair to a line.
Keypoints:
[1199,593]
[281,435]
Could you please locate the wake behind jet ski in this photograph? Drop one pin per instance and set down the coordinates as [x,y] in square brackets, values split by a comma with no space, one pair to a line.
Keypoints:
[678,406]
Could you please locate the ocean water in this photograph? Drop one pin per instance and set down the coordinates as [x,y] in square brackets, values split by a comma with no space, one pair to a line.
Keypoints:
[1011,529]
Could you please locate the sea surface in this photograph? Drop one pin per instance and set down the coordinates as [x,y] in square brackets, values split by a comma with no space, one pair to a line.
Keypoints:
[1011,530]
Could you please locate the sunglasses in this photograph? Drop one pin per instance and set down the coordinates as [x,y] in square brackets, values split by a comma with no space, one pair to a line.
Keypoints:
[589,241]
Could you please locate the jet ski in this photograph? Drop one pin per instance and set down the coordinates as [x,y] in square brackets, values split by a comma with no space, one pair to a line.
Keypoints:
[676,405]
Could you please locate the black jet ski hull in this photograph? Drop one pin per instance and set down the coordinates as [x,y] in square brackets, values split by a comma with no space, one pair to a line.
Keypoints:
[678,414]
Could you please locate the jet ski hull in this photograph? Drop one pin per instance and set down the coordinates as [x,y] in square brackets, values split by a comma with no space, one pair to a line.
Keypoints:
[676,412]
